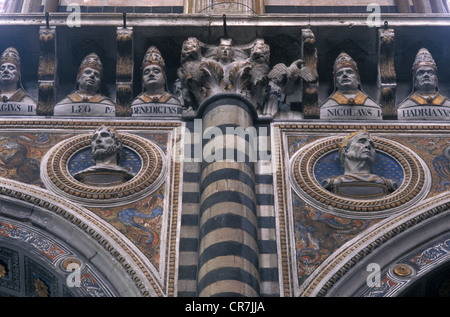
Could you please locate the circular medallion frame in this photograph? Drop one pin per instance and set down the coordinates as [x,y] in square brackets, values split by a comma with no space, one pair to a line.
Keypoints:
[416,183]
[57,177]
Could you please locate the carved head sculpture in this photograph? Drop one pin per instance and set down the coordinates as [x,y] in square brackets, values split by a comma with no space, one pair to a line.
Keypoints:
[424,72]
[10,74]
[106,143]
[191,50]
[357,152]
[260,52]
[153,73]
[224,53]
[346,74]
[90,74]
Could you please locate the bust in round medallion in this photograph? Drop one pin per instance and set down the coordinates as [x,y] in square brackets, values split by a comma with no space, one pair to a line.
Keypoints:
[357,155]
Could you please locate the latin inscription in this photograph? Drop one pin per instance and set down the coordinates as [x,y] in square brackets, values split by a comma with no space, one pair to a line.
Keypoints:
[424,112]
[85,110]
[162,110]
[17,108]
[350,112]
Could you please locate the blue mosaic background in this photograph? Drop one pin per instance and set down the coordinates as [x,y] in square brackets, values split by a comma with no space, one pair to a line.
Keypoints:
[83,160]
[384,166]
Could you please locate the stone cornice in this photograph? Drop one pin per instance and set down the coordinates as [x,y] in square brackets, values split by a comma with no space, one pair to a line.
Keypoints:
[203,20]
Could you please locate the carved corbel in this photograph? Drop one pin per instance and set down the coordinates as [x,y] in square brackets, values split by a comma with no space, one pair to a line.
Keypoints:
[46,71]
[386,74]
[124,71]
[310,95]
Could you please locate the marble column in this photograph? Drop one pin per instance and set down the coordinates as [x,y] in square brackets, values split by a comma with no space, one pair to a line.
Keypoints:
[228,235]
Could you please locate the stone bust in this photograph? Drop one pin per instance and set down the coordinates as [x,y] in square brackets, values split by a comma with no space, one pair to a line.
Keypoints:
[13,98]
[357,156]
[426,101]
[106,149]
[87,101]
[348,101]
[155,100]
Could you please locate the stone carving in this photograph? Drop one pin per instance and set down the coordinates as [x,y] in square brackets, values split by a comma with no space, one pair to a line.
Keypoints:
[286,78]
[387,78]
[348,101]
[310,90]
[124,71]
[47,72]
[426,101]
[240,69]
[106,148]
[87,101]
[155,100]
[199,77]
[255,77]
[13,98]
[357,155]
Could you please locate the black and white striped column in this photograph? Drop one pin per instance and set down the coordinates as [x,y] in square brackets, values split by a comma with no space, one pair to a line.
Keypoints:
[228,227]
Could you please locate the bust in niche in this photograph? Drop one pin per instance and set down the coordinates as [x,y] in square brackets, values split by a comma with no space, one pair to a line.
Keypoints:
[106,149]
[86,100]
[155,100]
[357,156]
[13,98]
[348,101]
[425,102]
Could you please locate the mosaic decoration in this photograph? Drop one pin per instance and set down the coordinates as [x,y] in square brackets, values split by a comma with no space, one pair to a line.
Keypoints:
[20,155]
[64,159]
[128,216]
[384,166]
[83,159]
[317,159]
[34,240]
[40,281]
[318,234]
[142,222]
[2,271]
[415,264]
[435,151]
[9,260]
[149,265]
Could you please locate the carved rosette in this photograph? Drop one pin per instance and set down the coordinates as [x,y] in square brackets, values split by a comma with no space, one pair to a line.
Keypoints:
[56,176]
[414,187]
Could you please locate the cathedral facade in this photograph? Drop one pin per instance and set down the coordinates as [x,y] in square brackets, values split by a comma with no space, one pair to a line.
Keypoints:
[260,148]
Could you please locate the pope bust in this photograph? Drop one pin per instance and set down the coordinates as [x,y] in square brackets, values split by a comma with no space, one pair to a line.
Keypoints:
[106,149]
[357,156]
[155,100]
[348,101]
[87,101]
[13,98]
[426,102]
